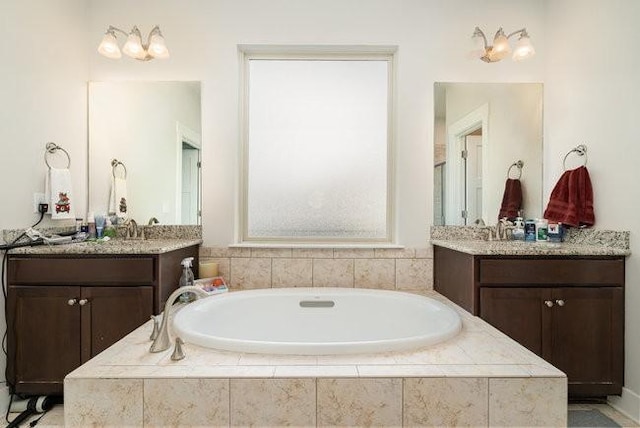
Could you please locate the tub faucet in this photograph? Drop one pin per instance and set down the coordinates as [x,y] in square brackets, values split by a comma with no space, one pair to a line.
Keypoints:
[162,342]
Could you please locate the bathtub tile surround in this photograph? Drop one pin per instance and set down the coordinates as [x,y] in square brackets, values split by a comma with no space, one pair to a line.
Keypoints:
[407,269]
[104,402]
[360,402]
[272,402]
[168,402]
[288,272]
[437,402]
[527,402]
[479,377]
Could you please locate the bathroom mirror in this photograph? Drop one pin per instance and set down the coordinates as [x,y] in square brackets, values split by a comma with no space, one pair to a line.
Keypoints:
[480,131]
[153,129]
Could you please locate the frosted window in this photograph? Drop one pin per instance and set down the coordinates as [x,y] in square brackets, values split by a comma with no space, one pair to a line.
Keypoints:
[317,149]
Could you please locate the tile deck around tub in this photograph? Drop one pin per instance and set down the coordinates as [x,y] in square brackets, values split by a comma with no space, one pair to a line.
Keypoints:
[480,377]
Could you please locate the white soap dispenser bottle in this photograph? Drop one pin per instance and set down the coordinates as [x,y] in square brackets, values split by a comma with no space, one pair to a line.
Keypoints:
[186,279]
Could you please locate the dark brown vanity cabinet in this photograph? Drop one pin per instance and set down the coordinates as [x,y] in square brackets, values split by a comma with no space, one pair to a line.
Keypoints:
[569,310]
[64,310]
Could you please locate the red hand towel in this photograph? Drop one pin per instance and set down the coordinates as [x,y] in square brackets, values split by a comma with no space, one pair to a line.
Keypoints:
[512,199]
[571,201]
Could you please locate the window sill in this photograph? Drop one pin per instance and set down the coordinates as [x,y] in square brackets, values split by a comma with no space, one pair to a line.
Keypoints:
[317,245]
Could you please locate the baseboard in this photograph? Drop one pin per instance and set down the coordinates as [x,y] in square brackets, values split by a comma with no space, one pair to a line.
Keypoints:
[4,400]
[628,404]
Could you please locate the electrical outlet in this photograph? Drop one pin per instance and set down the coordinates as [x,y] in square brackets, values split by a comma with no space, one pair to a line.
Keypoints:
[38,198]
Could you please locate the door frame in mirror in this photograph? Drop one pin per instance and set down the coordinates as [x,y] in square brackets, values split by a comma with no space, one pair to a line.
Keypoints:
[455,194]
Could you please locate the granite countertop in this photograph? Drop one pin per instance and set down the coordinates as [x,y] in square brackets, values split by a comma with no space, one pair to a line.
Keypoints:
[521,248]
[114,246]
[578,242]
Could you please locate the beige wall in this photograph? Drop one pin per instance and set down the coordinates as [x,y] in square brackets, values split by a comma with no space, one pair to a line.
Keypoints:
[593,100]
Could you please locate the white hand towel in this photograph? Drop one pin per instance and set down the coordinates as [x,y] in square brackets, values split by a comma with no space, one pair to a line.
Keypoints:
[58,194]
[118,197]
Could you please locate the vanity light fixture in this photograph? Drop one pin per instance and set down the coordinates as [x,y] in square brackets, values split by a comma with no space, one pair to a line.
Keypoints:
[501,48]
[133,47]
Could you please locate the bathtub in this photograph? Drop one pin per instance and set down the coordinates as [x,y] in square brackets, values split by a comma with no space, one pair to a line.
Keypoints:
[316,321]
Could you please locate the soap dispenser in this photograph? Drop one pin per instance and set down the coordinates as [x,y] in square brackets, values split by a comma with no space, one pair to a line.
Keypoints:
[186,279]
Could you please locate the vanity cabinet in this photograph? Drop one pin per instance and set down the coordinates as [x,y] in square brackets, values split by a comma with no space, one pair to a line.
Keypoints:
[567,309]
[63,310]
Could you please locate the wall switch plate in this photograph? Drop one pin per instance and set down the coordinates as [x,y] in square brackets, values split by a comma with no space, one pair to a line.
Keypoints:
[38,198]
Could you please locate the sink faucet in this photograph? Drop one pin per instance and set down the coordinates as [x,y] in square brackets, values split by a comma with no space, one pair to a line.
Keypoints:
[152,221]
[162,342]
[132,230]
[502,227]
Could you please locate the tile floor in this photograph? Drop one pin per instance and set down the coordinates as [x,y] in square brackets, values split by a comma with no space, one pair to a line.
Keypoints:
[55,417]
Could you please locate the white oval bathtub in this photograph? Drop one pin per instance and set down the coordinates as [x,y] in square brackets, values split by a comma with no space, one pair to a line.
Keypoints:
[316,321]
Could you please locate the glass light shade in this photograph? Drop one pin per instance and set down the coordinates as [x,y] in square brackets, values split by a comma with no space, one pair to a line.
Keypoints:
[501,46]
[524,49]
[133,46]
[157,47]
[109,46]
[478,49]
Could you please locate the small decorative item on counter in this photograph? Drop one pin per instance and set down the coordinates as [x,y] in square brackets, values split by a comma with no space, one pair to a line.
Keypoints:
[207,269]
[109,230]
[555,232]
[91,222]
[542,226]
[530,230]
[215,285]
[78,224]
[518,229]
[100,222]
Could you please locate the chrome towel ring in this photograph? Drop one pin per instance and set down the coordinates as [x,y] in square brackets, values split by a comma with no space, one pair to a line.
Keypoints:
[51,148]
[518,164]
[114,165]
[580,150]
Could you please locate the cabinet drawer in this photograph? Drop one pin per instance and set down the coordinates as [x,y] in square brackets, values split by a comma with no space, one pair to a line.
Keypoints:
[552,271]
[80,271]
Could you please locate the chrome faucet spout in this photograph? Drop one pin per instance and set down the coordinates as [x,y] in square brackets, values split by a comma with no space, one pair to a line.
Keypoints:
[152,221]
[162,342]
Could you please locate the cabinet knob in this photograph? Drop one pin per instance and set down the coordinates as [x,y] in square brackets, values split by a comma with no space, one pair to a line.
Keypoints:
[549,303]
[560,302]
[83,302]
[72,302]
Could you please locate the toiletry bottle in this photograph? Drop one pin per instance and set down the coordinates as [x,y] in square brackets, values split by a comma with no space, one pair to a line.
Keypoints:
[186,279]
[91,222]
[518,230]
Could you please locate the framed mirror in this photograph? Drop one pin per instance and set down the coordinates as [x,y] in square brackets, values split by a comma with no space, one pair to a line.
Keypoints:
[153,131]
[482,132]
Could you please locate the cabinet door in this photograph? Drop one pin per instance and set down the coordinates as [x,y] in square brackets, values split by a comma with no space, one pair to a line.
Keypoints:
[587,338]
[110,313]
[43,337]
[520,313]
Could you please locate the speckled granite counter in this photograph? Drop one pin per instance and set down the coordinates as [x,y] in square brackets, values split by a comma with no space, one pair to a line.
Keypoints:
[578,242]
[114,246]
[520,248]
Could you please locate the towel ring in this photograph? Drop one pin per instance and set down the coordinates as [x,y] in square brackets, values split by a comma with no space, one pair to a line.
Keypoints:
[519,164]
[114,165]
[52,148]
[580,150]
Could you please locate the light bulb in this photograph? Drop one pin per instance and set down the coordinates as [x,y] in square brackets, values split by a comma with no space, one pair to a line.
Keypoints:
[524,49]
[157,47]
[109,46]
[478,44]
[501,46]
[133,46]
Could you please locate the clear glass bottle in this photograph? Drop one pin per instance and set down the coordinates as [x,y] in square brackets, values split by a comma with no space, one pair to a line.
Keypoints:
[186,279]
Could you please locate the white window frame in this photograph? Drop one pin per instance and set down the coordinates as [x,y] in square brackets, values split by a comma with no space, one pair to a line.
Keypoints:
[328,53]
